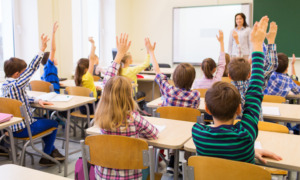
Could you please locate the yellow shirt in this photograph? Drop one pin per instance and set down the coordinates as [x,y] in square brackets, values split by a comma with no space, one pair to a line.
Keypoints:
[88,82]
[131,72]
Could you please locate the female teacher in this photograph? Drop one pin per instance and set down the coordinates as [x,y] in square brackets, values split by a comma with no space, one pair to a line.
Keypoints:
[239,40]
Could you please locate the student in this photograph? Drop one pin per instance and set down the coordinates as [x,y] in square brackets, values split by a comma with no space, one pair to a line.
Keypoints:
[209,67]
[225,140]
[227,61]
[50,69]
[179,95]
[117,113]
[17,78]
[293,71]
[239,68]
[84,77]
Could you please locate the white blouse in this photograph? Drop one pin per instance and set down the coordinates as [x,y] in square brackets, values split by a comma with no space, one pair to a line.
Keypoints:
[244,48]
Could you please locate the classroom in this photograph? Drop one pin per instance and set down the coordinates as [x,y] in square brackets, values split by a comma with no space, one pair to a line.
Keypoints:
[149,89]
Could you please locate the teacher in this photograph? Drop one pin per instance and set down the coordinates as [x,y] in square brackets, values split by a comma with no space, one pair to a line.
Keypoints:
[239,40]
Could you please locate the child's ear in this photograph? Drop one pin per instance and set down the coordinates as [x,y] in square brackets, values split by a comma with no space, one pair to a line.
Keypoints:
[207,110]
[249,75]
[239,110]
[229,76]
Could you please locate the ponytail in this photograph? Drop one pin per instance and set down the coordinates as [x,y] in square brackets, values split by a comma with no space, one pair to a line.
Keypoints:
[207,67]
[82,65]
[123,61]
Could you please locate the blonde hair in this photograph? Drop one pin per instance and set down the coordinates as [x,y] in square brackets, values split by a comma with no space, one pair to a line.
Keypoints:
[123,61]
[116,104]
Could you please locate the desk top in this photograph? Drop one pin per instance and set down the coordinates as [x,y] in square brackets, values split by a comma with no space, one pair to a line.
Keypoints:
[149,78]
[15,172]
[285,145]
[291,95]
[14,120]
[71,82]
[162,70]
[288,112]
[76,101]
[175,134]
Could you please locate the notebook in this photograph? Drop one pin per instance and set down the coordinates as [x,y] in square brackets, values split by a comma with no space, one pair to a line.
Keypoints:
[52,96]
[5,117]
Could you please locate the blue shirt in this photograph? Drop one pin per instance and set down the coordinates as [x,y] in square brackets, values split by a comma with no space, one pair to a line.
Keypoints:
[50,75]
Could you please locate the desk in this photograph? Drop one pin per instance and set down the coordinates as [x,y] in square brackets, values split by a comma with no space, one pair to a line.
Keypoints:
[292,96]
[285,145]
[149,86]
[76,101]
[288,112]
[71,82]
[6,125]
[162,70]
[173,136]
[15,172]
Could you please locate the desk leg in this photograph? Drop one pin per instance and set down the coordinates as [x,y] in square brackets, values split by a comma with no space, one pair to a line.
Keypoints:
[67,143]
[176,164]
[12,145]
[153,89]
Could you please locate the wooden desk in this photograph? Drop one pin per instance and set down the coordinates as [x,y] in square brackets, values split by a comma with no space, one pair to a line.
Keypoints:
[149,86]
[162,70]
[288,112]
[71,82]
[6,125]
[15,172]
[75,102]
[173,136]
[292,96]
[285,145]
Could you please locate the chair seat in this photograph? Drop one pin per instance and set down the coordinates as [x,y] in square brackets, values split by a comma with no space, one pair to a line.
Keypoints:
[39,134]
[275,171]
[157,176]
[141,99]
[78,114]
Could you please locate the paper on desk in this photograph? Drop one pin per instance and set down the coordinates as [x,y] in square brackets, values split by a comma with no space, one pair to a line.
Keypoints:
[160,127]
[271,110]
[52,96]
[62,98]
[257,145]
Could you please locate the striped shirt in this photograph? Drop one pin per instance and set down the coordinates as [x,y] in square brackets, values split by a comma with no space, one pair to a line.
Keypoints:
[15,89]
[235,142]
[50,75]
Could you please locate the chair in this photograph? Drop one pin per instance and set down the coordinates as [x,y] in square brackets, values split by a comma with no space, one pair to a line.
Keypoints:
[297,82]
[96,78]
[80,91]
[118,152]
[210,168]
[163,65]
[271,127]
[42,86]
[226,79]
[274,99]
[179,113]
[17,109]
[202,92]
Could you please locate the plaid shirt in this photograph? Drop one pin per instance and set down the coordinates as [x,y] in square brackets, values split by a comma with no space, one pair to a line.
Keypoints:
[173,96]
[270,65]
[280,85]
[15,89]
[137,127]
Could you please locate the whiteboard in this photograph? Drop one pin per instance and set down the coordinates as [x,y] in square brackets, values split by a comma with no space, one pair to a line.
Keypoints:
[195,30]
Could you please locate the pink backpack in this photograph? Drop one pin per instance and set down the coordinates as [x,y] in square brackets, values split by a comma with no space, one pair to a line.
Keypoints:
[79,174]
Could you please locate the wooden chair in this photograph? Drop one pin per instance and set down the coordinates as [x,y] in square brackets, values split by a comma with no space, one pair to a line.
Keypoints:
[274,99]
[96,78]
[202,92]
[271,127]
[171,82]
[226,79]
[117,152]
[179,113]
[80,91]
[297,82]
[17,109]
[42,86]
[210,168]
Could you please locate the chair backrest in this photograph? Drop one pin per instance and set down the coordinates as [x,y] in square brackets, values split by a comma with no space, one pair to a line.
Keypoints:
[179,113]
[274,99]
[297,82]
[79,91]
[211,168]
[11,106]
[226,79]
[171,82]
[42,86]
[271,127]
[202,92]
[163,65]
[96,78]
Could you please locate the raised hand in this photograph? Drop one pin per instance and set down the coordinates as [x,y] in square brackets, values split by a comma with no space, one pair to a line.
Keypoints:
[91,40]
[272,33]
[150,48]
[44,40]
[122,43]
[147,48]
[258,33]
[55,27]
[220,37]
[235,37]
[294,59]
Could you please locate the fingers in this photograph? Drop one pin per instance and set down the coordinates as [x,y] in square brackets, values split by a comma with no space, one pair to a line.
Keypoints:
[117,41]
[260,158]
[154,45]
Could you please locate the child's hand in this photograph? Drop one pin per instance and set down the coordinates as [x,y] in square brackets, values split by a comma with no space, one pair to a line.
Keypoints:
[43,103]
[150,48]
[98,88]
[122,43]
[294,59]
[258,33]
[55,27]
[91,40]
[235,37]
[220,38]
[44,40]
[260,153]
[272,33]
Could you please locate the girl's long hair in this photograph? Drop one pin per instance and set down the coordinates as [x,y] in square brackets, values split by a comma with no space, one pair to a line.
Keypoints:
[123,62]
[116,104]
[82,65]
[207,67]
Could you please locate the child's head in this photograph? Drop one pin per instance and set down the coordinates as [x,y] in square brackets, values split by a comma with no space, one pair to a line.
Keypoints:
[283,63]
[227,59]
[127,59]
[239,69]
[82,67]
[14,67]
[45,58]
[184,76]
[208,67]
[222,101]
[115,104]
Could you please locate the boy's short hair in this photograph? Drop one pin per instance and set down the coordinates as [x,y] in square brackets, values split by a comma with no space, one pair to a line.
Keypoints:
[184,76]
[283,62]
[13,65]
[45,58]
[239,69]
[222,100]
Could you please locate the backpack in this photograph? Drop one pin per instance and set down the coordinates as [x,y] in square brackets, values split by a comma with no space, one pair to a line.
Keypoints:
[79,174]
